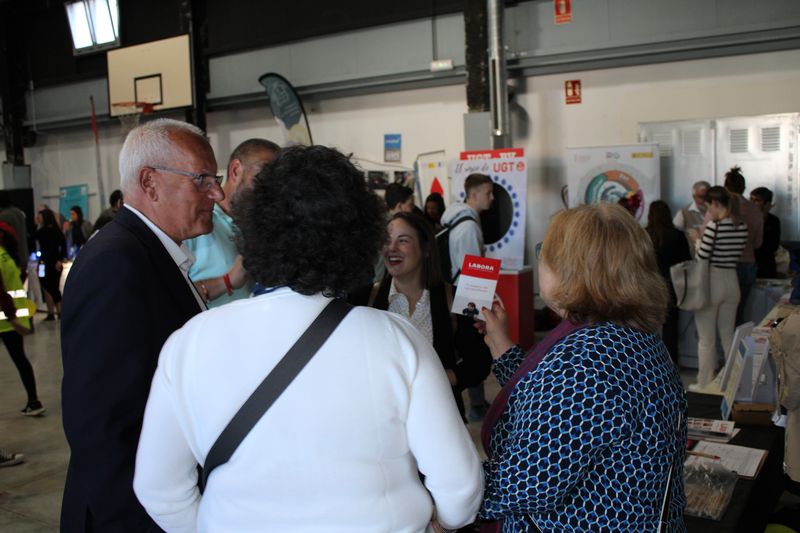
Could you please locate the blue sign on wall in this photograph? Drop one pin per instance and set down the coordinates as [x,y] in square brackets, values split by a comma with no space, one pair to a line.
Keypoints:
[74,195]
[391,147]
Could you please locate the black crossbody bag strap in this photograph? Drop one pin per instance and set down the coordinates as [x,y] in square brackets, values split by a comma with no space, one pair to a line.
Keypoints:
[453,225]
[272,387]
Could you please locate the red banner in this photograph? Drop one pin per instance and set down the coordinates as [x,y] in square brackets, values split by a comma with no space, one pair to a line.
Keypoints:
[492,154]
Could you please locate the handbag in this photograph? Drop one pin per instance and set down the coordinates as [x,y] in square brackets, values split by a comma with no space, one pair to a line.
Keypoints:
[691,281]
[271,388]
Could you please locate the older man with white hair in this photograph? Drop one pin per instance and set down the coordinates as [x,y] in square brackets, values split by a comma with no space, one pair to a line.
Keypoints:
[690,219]
[126,293]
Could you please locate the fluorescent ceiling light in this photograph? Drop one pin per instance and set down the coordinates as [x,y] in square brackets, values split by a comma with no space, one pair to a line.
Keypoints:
[94,24]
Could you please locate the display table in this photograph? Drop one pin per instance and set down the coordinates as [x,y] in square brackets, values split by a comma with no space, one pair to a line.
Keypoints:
[753,500]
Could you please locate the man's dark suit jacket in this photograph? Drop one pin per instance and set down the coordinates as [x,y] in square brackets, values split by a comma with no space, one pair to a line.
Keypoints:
[123,298]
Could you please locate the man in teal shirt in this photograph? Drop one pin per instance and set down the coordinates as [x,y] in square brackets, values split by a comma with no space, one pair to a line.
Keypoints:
[217,272]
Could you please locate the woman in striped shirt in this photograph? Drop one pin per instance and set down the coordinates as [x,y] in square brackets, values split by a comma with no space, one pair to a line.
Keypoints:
[722,243]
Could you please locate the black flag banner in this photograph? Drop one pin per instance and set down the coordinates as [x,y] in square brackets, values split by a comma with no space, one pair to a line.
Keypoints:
[287,109]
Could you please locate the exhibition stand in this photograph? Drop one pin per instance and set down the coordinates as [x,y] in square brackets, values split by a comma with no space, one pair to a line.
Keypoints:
[515,292]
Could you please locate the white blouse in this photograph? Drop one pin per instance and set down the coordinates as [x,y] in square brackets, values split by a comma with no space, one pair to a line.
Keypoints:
[338,452]
[421,319]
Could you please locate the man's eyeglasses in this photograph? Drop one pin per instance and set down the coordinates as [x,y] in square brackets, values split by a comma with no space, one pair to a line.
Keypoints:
[204,182]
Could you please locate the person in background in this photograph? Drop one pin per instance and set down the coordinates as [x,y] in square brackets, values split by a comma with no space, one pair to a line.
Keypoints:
[13,300]
[52,250]
[79,230]
[126,293]
[690,219]
[343,447]
[723,240]
[434,209]
[761,197]
[589,429]
[116,200]
[15,218]
[399,198]
[59,217]
[217,272]
[751,215]
[671,248]
[466,237]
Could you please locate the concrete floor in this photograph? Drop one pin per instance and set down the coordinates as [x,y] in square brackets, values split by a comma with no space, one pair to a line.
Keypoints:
[30,494]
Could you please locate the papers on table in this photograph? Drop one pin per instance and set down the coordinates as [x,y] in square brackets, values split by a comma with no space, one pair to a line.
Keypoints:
[746,462]
[711,430]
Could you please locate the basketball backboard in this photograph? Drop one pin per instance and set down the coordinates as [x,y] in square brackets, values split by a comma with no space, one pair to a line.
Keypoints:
[158,72]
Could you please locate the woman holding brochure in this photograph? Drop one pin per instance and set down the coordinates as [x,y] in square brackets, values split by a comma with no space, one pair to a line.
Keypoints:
[588,431]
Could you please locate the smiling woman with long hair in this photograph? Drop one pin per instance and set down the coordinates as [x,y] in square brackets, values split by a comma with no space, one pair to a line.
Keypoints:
[413,287]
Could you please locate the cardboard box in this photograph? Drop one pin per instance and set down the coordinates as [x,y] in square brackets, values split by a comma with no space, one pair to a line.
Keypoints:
[753,414]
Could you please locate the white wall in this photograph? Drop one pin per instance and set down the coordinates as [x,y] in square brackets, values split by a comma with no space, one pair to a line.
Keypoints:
[615,101]
[67,157]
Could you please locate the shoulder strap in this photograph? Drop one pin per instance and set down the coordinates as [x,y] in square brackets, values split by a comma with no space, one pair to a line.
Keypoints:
[448,229]
[379,298]
[462,219]
[272,387]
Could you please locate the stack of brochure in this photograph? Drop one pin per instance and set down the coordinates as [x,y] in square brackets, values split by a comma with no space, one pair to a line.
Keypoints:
[711,430]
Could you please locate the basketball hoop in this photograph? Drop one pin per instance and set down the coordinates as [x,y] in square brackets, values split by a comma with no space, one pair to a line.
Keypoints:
[129,113]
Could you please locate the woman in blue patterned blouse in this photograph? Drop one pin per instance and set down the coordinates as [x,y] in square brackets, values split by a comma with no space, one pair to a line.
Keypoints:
[588,431]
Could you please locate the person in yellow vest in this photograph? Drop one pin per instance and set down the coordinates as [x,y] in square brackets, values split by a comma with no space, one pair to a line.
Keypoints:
[16,316]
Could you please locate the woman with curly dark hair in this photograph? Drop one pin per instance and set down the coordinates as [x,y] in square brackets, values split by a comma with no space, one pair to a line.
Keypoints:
[341,448]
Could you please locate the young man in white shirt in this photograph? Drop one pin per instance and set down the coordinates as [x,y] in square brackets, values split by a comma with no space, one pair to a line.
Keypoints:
[467,238]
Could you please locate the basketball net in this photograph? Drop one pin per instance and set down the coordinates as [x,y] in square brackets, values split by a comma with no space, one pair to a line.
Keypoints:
[129,114]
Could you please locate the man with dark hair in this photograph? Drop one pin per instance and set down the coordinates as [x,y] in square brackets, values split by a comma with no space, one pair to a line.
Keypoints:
[217,272]
[752,216]
[116,201]
[765,254]
[399,198]
[15,218]
[467,238]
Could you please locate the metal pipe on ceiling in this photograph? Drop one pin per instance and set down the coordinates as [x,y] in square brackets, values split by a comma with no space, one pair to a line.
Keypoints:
[498,75]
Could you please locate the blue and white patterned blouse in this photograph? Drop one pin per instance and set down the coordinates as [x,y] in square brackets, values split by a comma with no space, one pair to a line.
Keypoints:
[587,438]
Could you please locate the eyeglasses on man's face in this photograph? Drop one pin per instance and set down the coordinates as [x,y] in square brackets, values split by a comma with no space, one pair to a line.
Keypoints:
[203,181]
